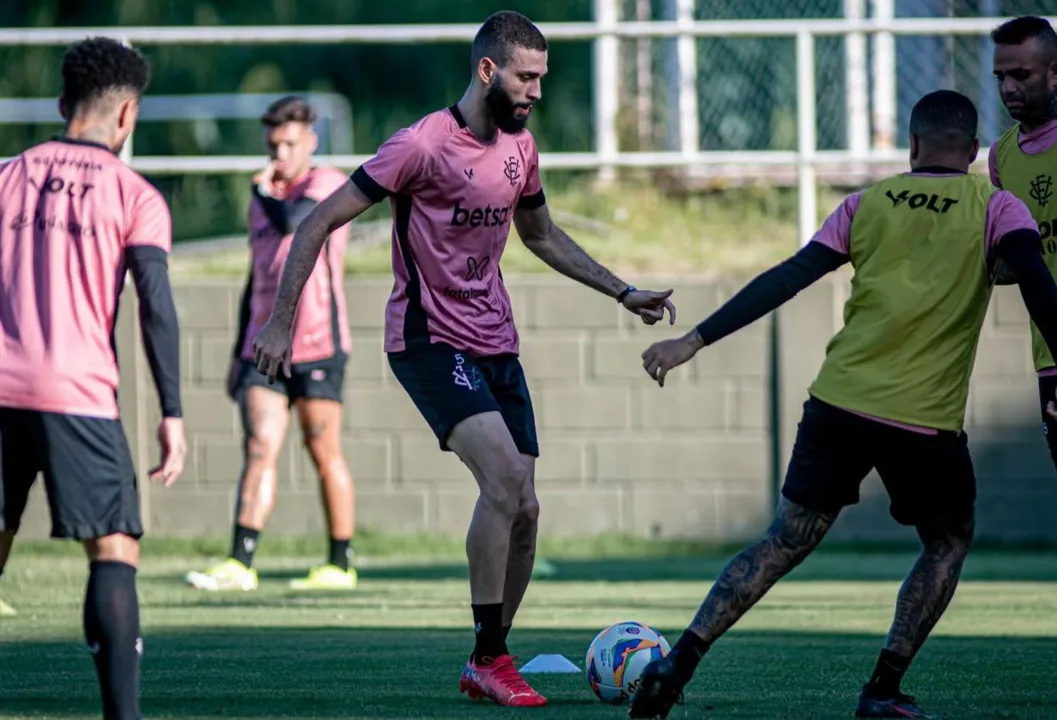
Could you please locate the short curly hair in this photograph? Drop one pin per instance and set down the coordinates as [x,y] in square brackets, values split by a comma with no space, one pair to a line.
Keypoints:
[99,66]
[289,108]
[501,34]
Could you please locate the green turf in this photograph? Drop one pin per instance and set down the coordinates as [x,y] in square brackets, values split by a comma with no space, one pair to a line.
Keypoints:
[393,649]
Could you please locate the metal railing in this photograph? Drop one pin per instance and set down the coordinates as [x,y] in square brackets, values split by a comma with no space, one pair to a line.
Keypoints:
[604,31]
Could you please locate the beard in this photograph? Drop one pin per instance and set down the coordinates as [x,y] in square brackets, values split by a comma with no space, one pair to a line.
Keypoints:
[502,108]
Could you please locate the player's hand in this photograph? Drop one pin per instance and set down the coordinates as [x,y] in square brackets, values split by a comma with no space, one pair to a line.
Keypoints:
[662,356]
[232,383]
[1051,409]
[272,350]
[173,451]
[650,305]
[265,179]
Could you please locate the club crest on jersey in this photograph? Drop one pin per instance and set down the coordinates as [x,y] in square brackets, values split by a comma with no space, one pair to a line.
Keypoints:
[512,170]
[1042,189]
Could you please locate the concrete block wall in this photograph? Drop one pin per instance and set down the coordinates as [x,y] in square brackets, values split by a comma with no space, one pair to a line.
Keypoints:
[695,459]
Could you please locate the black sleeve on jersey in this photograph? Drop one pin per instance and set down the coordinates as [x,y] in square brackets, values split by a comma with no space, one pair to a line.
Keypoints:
[158,322]
[284,216]
[770,290]
[533,201]
[244,315]
[366,183]
[1022,251]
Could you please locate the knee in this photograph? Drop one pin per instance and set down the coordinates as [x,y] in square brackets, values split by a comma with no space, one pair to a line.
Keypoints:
[503,490]
[263,448]
[528,511]
[949,541]
[113,548]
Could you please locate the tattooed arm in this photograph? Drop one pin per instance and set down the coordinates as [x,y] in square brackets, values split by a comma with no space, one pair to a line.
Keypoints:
[794,534]
[341,207]
[550,244]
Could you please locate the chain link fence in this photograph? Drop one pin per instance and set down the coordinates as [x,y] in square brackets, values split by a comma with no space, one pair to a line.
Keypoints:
[746,87]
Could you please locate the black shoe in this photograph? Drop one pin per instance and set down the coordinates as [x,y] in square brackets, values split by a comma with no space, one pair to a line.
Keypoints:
[659,690]
[899,706]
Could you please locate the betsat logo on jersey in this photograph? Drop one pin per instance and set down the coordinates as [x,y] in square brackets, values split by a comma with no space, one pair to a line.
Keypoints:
[487,216]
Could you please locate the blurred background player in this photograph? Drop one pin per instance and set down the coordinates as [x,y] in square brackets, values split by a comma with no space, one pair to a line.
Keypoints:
[891,393]
[458,177]
[283,195]
[75,219]
[1024,160]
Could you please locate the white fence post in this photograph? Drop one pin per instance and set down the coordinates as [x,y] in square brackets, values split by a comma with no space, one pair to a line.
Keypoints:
[856,82]
[806,135]
[606,87]
[884,78]
[126,150]
[686,50]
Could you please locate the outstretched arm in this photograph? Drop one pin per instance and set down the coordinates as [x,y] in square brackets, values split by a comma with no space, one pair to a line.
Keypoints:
[340,207]
[553,246]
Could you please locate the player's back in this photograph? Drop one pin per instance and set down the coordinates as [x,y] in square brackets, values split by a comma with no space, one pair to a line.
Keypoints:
[68,211]
[919,248]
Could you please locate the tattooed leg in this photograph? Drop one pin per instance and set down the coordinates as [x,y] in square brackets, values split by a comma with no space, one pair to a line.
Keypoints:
[794,534]
[929,587]
[924,597]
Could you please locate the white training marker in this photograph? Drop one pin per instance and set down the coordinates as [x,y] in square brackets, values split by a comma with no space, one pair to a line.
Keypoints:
[549,664]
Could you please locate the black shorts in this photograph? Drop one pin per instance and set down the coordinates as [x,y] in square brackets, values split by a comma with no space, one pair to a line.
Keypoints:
[448,386]
[1048,394]
[929,478]
[88,474]
[320,380]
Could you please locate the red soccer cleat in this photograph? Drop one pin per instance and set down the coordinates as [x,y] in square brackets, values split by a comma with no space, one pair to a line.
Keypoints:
[500,681]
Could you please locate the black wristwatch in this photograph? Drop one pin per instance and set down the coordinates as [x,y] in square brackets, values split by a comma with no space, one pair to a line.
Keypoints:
[625,292]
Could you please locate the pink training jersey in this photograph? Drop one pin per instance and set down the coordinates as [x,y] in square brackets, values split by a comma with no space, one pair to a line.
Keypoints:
[321,325]
[1005,213]
[68,211]
[453,199]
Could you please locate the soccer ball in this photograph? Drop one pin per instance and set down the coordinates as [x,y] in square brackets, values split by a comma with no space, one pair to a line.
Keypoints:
[617,656]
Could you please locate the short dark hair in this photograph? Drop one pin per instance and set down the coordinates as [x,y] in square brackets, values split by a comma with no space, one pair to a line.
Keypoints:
[944,118]
[99,66]
[1023,28]
[502,33]
[290,108]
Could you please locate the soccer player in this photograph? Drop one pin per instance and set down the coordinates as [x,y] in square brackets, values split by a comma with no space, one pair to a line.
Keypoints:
[283,195]
[75,219]
[1024,160]
[891,392]
[456,179]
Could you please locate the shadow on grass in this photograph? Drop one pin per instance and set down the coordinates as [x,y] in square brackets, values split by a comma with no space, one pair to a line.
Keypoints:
[825,566]
[413,673]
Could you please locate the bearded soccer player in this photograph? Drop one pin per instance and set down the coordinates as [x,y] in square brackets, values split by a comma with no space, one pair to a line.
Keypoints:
[1024,160]
[891,392]
[75,220]
[456,179]
[283,195]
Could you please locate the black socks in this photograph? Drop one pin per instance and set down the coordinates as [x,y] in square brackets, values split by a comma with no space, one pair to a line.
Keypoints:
[245,544]
[488,630]
[111,628]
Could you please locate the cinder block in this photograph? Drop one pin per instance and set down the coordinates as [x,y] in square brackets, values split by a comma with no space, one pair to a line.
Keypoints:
[546,356]
[688,408]
[665,510]
[205,306]
[641,459]
[579,512]
[584,407]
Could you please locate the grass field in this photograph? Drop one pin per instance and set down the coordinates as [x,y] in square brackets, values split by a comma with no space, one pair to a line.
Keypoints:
[632,227]
[394,648]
